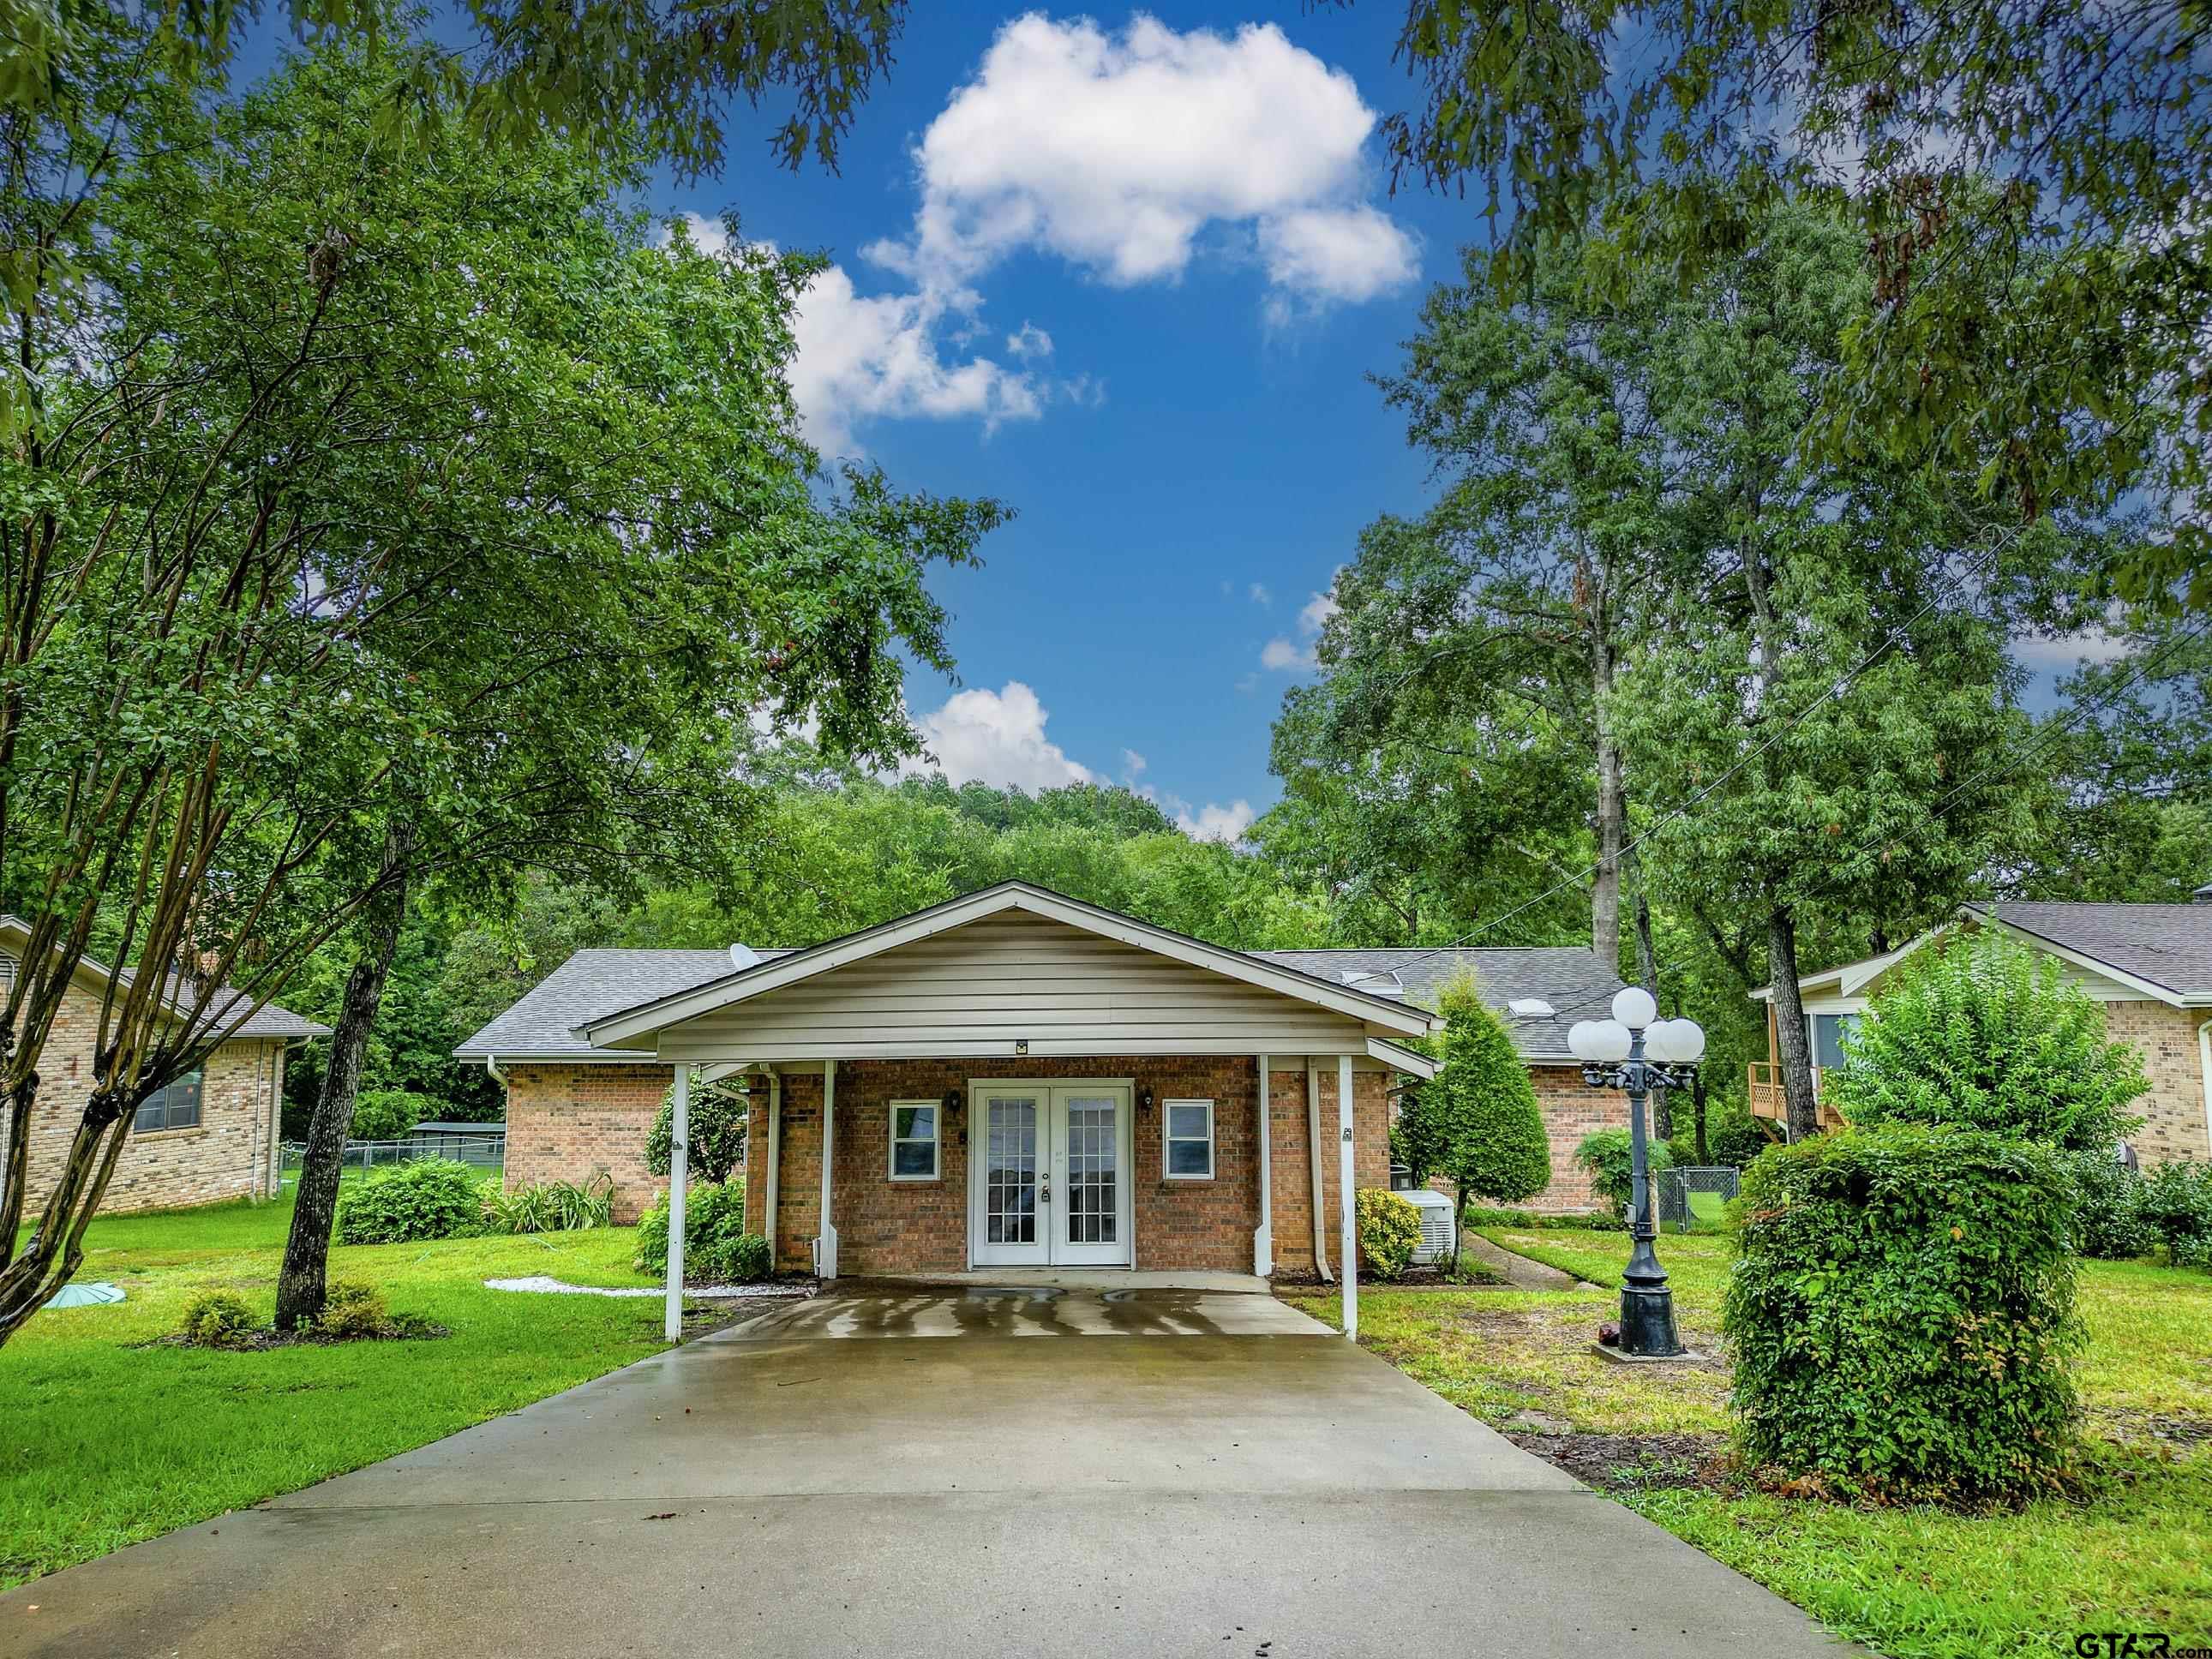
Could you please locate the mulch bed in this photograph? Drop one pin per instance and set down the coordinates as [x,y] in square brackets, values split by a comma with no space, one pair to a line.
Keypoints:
[1638,1463]
[404,1328]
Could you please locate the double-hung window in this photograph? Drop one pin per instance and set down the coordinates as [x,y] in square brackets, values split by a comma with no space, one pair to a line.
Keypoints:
[915,1140]
[1188,1142]
[1829,1032]
[175,1107]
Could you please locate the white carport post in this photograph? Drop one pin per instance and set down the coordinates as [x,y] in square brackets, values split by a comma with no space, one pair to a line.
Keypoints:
[825,1244]
[1263,1236]
[679,1157]
[774,1151]
[1349,1245]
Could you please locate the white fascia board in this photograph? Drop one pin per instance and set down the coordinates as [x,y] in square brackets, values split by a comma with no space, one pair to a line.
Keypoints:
[1403,1059]
[560,1057]
[801,965]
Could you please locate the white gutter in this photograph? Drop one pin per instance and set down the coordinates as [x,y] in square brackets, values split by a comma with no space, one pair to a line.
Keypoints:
[1313,1152]
[1263,1236]
[491,1065]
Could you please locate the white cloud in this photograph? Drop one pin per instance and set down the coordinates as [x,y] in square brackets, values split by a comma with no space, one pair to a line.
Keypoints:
[862,358]
[1118,152]
[996,738]
[1132,765]
[1213,823]
[2065,653]
[1028,341]
[1283,655]
[1260,595]
[1314,615]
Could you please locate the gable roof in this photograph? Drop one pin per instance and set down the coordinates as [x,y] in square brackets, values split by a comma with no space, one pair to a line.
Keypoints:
[592,985]
[2162,951]
[1572,978]
[267,1021]
[792,967]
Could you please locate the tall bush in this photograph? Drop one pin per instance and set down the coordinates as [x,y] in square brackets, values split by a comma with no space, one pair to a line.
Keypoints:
[1982,1032]
[1476,1122]
[388,1114]
[717,1118]
[430,1198]
[1389,1231]
[2177,1208]
[715,1243]
[1609,1161]
[1901,1312]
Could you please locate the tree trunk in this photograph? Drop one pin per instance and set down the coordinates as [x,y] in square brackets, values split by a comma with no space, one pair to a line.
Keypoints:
[1790,1021]
[1698,1115]
[1663,1108]
[308,1250]
[1612,814]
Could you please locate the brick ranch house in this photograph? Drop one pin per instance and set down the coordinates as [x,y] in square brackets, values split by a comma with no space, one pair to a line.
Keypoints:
[1013,1079]
[2150,965]
[209,1135]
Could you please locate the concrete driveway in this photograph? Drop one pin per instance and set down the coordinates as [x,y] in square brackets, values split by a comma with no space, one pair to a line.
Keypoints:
[911,1473]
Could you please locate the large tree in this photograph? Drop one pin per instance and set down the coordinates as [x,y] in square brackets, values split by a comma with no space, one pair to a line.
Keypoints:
[1476,645]
[2042,335]
[410,518]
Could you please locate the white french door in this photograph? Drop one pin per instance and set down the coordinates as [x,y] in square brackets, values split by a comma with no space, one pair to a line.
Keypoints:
[1048,1173]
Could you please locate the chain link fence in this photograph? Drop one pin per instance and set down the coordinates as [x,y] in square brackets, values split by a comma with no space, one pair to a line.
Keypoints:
[1693,1198]
[486,1152]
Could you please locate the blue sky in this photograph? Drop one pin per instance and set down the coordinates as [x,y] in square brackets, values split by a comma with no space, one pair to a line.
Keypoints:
[1188,204]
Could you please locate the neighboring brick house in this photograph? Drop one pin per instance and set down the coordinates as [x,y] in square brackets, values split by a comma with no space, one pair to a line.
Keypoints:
[209,1135]
[2150,965]
[1108,1071]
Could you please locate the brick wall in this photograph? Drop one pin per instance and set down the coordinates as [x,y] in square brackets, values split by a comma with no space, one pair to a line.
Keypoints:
[1570,1110]
[2173,1111]
[570,1122]
[231,1154]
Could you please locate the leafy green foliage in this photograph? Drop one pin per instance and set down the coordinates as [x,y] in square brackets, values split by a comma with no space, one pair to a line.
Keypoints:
[2176,1206]
[1476,1121]
[1981,1030]
[1609,1159]
[217,1320]
[2109,1222]
[352,1310]
[717,1117]
[388,1114]
[429,1198]
[716,1246]
[1901,1312]
[2029,194]
[551,1206]
[1389,1231]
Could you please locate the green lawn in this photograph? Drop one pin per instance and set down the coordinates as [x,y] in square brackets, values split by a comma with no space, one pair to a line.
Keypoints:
[2130,1554]
[104,1441]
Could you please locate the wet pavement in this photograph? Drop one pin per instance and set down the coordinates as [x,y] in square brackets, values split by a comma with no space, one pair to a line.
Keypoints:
[818,1481]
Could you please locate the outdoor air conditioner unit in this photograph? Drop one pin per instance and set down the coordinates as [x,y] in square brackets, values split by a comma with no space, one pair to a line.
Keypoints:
[1439,1226]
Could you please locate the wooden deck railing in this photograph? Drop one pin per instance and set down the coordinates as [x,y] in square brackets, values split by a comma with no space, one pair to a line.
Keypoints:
[1769,1101]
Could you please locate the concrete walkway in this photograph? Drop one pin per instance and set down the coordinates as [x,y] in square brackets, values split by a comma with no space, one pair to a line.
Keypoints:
[803,1485]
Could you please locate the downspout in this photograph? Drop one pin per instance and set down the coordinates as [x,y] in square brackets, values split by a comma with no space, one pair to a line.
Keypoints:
[2204,1058]
[1263,1236]
[774,1147]
[1312,1157]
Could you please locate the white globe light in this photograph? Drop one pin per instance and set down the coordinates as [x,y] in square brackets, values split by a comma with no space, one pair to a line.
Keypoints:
[1608,1040]
[1661,1039]
[1578,1039]
[1634,1008]
[1689,1042]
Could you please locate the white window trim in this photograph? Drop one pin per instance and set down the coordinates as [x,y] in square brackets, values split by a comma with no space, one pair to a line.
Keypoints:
[936,1109]
[1167,1120]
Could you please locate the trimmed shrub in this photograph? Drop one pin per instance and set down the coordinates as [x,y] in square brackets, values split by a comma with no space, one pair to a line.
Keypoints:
[1609,1159]
[1984,1033]
[716,1245]
[1901,1314]
[551,1206]
[388,1114]
[351,1308]
[1389,1231]
[1476,1122]
[718,1133]
[218,1319]
[402,1203]
[2108,1221]
[2177,1208]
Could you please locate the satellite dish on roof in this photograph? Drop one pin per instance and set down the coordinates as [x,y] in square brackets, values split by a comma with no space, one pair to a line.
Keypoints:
[743,957]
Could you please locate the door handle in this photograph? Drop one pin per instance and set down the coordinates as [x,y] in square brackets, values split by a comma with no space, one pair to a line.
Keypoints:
[1044,1190]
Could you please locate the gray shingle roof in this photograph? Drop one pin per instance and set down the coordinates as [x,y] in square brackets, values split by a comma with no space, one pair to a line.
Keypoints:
[2168,945]
[267,1021]
[1571,978]
[589,985]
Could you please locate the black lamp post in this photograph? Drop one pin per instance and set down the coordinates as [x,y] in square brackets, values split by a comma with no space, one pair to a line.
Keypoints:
[1636,1051]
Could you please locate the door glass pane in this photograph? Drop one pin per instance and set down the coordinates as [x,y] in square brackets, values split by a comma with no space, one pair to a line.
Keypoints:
[1009,1171]
[1093,1154]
